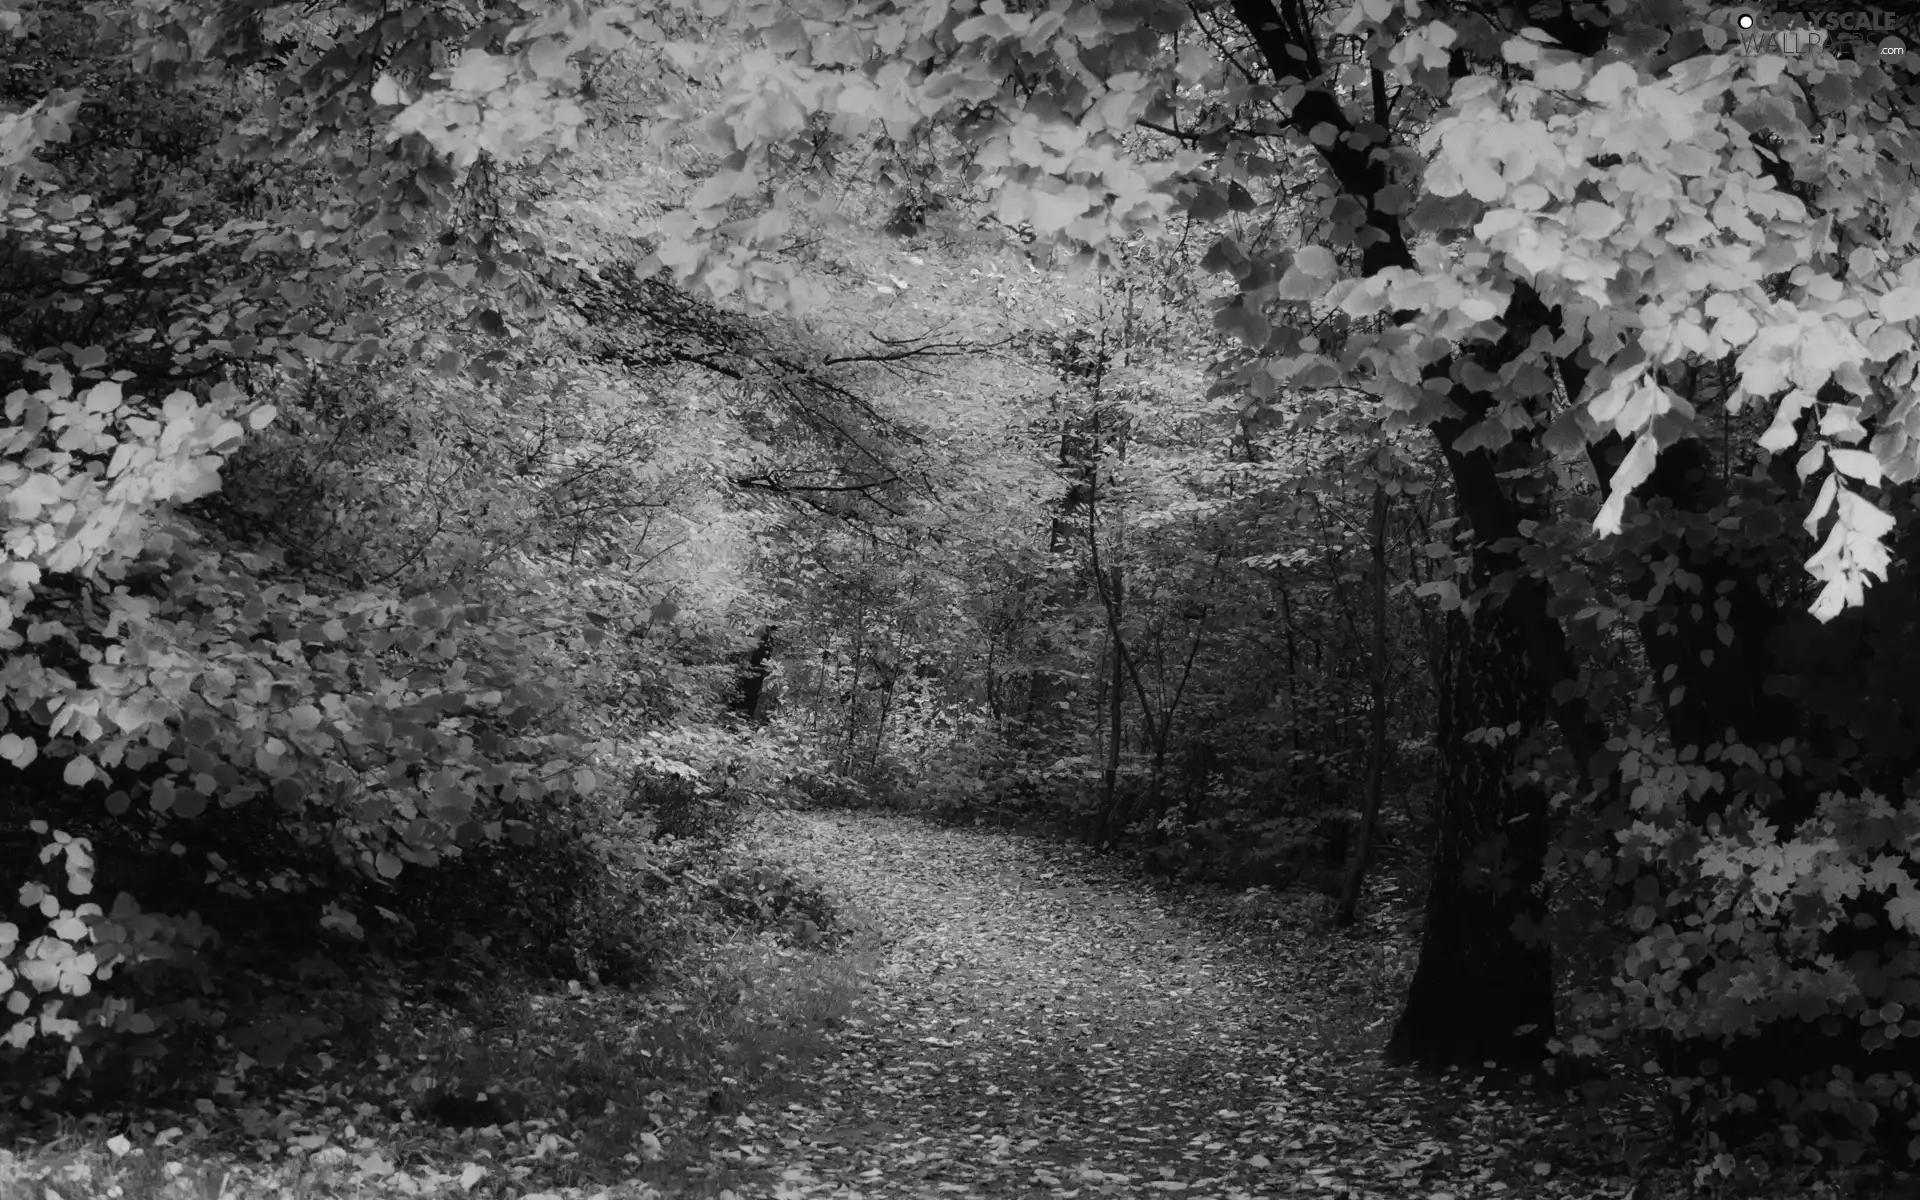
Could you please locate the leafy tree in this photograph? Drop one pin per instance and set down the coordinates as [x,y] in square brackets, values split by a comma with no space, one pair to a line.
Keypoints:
[1633,292]
[348,540]
[1547,234]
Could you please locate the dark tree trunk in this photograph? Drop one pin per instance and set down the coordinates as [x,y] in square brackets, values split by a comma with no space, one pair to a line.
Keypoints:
[753,680]
[1478,981]
[1158,801]
[1321,750]
[1292,744]
[1376,711]
[853,688]
[1116,697]
[1482,990]
[1201,759]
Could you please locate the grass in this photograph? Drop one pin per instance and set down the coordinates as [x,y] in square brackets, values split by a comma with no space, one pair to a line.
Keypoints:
[604,1093]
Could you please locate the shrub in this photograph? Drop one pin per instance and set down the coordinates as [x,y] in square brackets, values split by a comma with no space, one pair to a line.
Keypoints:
[1768,971]
[766,895]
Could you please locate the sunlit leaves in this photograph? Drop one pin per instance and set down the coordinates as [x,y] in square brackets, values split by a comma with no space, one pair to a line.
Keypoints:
[1593,181]
[65,519]
[42,972]
[387,91]
[1901,304]
[1692,255]
[1633,470]
[1855,552]
[509,123]
[23,134]
[1425,46]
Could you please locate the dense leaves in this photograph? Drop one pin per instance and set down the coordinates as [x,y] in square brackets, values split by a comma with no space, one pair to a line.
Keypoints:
[451,449]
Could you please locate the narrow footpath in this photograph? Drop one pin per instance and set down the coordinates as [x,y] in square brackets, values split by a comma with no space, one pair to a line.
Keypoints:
[1040,1023]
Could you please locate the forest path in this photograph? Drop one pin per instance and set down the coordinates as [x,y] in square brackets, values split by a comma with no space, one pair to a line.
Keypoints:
[1038,1023]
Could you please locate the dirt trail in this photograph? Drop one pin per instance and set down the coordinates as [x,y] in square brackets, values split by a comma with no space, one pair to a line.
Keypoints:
[1040,1024]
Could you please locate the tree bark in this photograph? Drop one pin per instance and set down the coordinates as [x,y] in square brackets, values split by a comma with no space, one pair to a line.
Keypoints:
[1116,696]
[753,680]
[1292,746]
[1376,715]
[1201,759]
[853,689]
[1483,989]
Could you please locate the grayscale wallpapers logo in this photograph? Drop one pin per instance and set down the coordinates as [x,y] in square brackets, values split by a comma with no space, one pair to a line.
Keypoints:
[1866,33]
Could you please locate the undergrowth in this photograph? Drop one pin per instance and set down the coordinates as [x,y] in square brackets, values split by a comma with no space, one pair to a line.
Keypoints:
[509,1084]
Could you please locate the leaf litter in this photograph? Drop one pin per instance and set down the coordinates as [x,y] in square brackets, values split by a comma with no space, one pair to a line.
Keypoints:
[999,1016]
[1038,1022]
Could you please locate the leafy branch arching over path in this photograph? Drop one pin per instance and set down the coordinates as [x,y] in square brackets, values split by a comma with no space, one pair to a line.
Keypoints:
[1038,1023]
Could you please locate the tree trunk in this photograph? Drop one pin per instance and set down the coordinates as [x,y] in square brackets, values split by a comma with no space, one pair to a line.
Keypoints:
[853,689]
[1292,745]
[753,680]
[1483,989]
[880,724]
[1322,748]
[1201,758]
[1115,695]
[1377,712]
[1477,980]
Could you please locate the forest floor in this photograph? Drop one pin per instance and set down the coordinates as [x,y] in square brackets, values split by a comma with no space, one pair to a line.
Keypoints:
[1005,1016]
[1040,1022]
